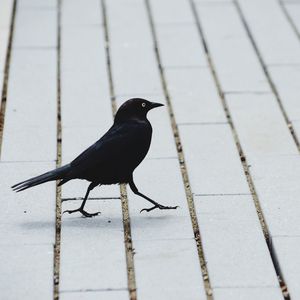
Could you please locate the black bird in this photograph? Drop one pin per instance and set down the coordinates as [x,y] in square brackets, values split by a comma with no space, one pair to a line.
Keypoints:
[112,159]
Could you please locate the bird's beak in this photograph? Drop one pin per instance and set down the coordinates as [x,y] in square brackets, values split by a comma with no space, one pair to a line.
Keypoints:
[154,104]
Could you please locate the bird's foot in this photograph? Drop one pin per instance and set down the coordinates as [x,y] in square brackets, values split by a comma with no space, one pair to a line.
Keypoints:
[159,206]
[84,213]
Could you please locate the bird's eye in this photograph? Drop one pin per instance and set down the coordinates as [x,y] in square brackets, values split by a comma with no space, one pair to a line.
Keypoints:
[143,104]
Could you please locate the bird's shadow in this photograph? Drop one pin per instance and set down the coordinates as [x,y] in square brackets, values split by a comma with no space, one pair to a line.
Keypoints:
[99,222]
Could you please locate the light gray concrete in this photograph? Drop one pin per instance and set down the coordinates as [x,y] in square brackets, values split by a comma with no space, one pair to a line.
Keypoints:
[194,96]
[233,240]
[216,175]
[275,38]
[236,64]
[287,250]
[166,263]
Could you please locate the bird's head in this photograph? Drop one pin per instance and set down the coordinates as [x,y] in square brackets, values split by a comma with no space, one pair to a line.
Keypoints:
[135,108]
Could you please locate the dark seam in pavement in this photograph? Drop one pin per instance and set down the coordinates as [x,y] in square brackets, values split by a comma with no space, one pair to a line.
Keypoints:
[124,199]
[267,74]
[183,168]
[6,73]
[243,159]
[56,262]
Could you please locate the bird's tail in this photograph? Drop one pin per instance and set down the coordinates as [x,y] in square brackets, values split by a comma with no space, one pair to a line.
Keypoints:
[59,173]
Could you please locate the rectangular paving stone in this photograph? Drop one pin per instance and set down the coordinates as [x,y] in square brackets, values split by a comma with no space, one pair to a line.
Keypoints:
[165,251]
[92,250]
[35,28]
[236,63]
[230,228]
[286,79]
[171,12]
[4,35]
[166,188]
[15,280]
[95,246]
[5,13]
[30,118]
[260,125]
[27,233]
[28,217]
[293,9]
[37,3]
[296,125]
[287,251]
[212,159]
[276,180]
[194,96]
[81,12]
[277,46]
[95,295]
[168,269]
[134,65]
[257,293]
[180,45]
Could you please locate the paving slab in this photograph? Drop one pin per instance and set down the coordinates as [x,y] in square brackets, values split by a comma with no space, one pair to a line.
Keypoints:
[165,264]
[45,4]
[209,171]
[260,293]
[5,13]
[293,9]
[15,281]
[260,125]
[27,233]
[95,295]
[172,12]
[29,216]
[30,119]
[133,64]
[35,28]
[81,12]
[296,125]
[230,227]
[287,250]
[279,46]
[236,63]
[93,250]
[180,45]
[4,36]
[166,189]
[194,96]
[94,246]
[286,80]
[275,179]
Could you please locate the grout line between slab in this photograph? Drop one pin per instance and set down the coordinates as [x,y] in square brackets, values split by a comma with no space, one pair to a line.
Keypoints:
[214,195]
[6,72]
[247,92]
[90,199]
[202,123]
[267,74]
[181,159]
[94,290]
[289,18]
[245,165]
[56,262]
[129,250]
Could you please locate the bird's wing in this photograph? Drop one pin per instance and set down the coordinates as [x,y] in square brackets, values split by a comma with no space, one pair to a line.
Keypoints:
[108,148]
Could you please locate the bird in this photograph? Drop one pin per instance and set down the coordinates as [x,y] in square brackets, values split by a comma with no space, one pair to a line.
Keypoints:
[110,160]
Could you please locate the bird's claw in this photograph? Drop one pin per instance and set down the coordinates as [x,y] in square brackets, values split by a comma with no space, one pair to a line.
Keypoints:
[83,212]
[159,206]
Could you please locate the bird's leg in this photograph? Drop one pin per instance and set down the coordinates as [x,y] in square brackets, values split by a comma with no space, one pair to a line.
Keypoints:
[81,208]
[155,204]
